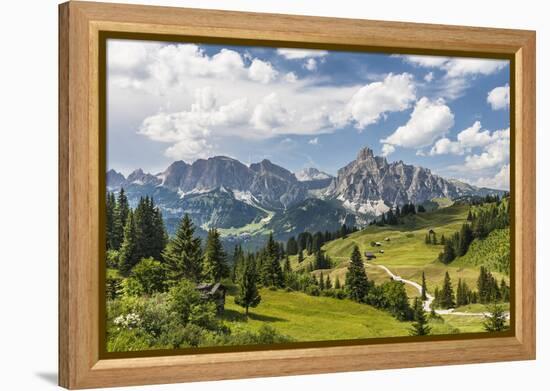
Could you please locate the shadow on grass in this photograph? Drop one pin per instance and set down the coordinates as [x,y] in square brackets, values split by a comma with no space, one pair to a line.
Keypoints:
[236,316]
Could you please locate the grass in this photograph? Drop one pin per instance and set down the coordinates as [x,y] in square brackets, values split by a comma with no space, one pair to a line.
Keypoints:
[310,318]
[406,253]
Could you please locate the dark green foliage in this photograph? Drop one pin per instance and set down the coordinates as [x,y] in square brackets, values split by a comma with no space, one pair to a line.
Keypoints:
[247,279]
[496,319]
[463,293]
[292,246]
[420,326]
[120,217]
[337,283]
[190,307]
[183,255]
[129,252]
[301,256]
[357,284]
[421,209]
[392,297]
[150,233]
[150,275]
[272,274]
[328,282]
[214,266]
[110,206]
[321,281]
[447,294]
[322,261]
[423,294]
[487,287]
[238,257]
[286,266]
[113,285]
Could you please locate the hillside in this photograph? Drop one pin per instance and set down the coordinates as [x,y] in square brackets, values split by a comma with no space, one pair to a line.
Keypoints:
[406,254]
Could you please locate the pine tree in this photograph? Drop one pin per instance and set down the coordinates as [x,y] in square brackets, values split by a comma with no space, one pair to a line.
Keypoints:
[328,283]
[496,319]
[321,282]
[238,257]
[121,212]
[356,278]
[420,326]
[442,240]
[424,295]
[150,233]
[214,267]
[301,256]
[247,278]
[470,216]
[183,255]
[337,283]
[272,274]
[287,269]
[110,205]
[291,246]
[447,293]
[129,255]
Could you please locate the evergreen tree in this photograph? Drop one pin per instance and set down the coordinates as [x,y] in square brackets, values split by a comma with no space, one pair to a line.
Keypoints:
[248,295]
[129,255]
[424,295]
[214,266]
[470,216]
[356,278]
[150,233]
[272,274]
[337,283]
[442,240]
[238,257]
[287,269]
[121,213]
[466,237]
[496,320]
[183,255]
[301,256]
[321,282]
[420,326]
[328,282]
[291,246]
[421,209]
[447,293]
[110,206]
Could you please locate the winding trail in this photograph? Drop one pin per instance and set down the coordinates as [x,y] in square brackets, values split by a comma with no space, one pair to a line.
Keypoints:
[426,304]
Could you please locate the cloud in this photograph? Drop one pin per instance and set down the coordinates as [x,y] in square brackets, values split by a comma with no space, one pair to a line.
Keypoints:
[296,54]
[270,114]
[472,137]
[310,64]
[426,61]
[261,71]
[499,181]
[429,77]
[314,141]
[291,77]
[499,97]
[371,102]
[456,66]
[494,154]
[445,146]
[429,120]
[387,149]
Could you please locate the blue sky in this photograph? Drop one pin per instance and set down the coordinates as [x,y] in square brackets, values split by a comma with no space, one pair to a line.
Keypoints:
[303,108]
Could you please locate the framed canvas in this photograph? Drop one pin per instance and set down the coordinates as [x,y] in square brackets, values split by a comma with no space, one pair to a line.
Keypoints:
[246,195]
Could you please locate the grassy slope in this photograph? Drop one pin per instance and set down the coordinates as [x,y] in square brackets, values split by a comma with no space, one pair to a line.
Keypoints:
[309,318]
[406,254]
[493,251]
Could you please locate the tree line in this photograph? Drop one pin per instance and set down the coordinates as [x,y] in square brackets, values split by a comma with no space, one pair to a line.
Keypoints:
[481,221]
[312,243]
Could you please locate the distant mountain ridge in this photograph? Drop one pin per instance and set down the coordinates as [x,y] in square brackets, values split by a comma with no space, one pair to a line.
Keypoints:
[223,192]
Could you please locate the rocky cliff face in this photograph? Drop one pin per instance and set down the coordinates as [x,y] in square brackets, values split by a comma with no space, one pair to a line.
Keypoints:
[371,178]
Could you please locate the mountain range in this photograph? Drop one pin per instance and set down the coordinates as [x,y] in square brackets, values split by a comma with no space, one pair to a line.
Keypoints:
[247,201]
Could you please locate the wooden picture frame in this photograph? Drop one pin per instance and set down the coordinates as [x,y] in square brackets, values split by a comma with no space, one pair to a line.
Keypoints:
[82,164]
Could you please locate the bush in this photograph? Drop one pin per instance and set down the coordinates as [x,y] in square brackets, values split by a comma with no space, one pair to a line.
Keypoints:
[150,275]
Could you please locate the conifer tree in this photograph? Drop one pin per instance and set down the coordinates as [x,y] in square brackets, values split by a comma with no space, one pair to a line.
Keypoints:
[447,293]
[214,266]
[150,233]
[423,294]
[337,283]
[183,255]
[238,256]
[247,278]
[301,256]
[496,319]
[120,217]
[321,282]
[291,246]
[328,282]
[356,278]
[272,274]
[287,269]
[129,255]
[110,206]
[420,326]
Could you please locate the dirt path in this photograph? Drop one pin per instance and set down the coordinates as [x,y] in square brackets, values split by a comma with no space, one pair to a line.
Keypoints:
[427,303]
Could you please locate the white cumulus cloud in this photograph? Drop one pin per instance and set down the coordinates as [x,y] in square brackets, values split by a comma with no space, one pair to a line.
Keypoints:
[310,64]
[429,120]
[501,180]
[387,149]
[445,146]
[297,54]
[261,71]
[499,97]
[314,141]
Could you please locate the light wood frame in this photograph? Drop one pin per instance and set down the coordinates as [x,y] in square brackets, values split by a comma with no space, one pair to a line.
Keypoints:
[80,23]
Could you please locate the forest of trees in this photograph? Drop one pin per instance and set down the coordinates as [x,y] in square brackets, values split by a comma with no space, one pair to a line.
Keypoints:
[312,243]
[493,214]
